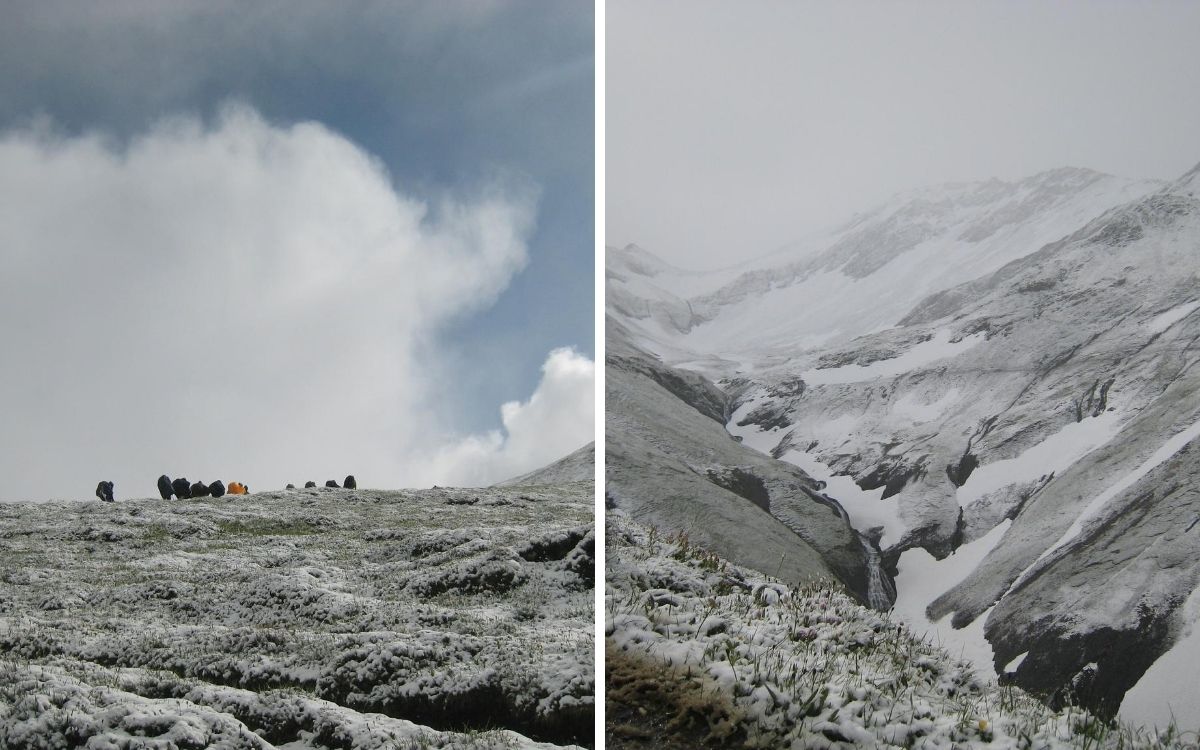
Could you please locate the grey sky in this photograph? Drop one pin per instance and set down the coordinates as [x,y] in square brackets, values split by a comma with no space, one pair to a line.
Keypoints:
[283,241]
[734,128]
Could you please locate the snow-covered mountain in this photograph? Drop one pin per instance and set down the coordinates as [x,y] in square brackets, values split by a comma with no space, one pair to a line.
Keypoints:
[862,276]
[996,382]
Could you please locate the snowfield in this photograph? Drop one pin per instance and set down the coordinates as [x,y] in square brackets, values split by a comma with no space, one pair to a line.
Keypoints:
[925,353]
[734,658]
[315,618]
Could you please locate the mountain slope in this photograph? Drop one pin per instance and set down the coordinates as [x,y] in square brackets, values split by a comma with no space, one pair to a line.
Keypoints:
[860,277]
[1040,418]
[670,463]
[578,466]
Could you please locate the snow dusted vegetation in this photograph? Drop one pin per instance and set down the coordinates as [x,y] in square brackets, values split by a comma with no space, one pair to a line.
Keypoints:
[315,618]
[703,653]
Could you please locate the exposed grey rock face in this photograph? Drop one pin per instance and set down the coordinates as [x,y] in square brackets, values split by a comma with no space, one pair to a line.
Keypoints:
[1113,599]
[671,464]
[1057,390]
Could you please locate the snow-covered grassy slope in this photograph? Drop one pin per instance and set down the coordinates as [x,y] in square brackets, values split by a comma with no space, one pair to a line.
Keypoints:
[322,618]
[727,657]
[671,463]
[579,466]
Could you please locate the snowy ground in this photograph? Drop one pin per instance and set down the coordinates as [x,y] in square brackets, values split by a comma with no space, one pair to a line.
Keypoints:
[923,578]
[920,355]
[322,618]
[755,663]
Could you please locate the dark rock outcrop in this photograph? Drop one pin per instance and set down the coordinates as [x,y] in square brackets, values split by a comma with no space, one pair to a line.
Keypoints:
[104,491]
[744,483]
[892,475]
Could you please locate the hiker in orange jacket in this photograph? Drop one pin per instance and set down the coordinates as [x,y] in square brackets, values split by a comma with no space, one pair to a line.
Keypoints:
[237,488]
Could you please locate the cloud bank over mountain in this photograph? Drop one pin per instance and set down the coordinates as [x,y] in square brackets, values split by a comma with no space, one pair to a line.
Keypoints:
[558,418]
[233,298]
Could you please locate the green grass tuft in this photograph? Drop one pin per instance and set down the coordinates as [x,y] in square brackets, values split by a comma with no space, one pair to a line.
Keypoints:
[266,527]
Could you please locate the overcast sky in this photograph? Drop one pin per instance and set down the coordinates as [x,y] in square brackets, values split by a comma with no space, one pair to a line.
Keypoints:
[283,241]
[735,128]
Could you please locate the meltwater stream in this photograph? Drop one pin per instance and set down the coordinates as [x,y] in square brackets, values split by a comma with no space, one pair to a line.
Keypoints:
[881,591]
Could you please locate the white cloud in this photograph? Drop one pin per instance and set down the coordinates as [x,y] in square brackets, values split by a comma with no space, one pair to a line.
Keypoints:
[236,300]
[557,419]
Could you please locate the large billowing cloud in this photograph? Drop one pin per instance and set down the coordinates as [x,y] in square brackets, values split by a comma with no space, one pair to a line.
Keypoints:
[233,299]
[557,419]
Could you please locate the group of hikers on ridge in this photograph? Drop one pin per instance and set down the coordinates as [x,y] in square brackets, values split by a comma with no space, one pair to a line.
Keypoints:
[350,484]
[183,490]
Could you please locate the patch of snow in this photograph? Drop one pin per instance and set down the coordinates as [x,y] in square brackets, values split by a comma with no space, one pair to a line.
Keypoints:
[912,407]
[1171,317]
[927,352]
[1052,455]
[1168,449]
[1167,692]
[923,578]
[1016,662]
[751,435]
[867,508]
